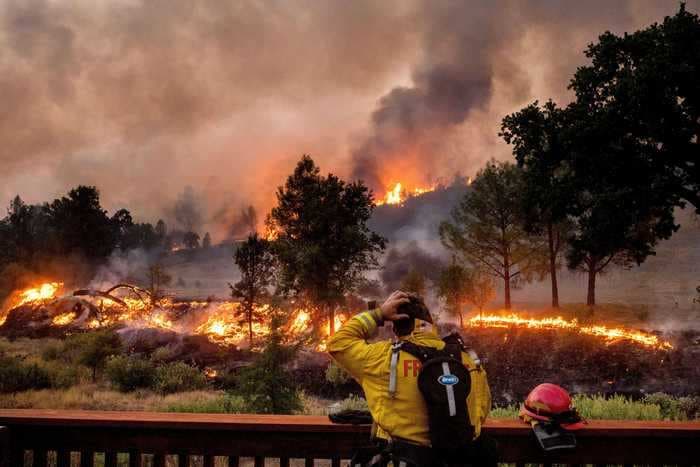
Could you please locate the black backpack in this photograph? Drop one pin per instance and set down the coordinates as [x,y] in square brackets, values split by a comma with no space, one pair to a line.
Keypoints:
[445,384]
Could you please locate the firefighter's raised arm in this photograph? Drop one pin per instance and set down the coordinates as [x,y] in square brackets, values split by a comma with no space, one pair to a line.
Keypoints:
[349,346]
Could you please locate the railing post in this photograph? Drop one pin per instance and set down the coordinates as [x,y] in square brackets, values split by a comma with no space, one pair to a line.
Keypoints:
[4,446]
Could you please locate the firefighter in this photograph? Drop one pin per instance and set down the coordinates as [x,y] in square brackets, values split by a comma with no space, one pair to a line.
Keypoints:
[397,405]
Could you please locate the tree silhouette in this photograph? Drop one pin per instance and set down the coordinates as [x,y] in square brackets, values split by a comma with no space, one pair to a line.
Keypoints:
[256,263]
[323,245]
[486,228]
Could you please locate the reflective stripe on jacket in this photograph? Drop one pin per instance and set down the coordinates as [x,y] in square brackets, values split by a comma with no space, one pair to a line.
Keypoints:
[405,415]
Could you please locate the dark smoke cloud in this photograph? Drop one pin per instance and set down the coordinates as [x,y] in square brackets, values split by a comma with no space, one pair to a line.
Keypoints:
[401,260]
[143,97]
[188,211]
[482,60]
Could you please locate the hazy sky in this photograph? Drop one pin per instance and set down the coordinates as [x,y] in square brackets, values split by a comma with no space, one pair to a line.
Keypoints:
[143,98]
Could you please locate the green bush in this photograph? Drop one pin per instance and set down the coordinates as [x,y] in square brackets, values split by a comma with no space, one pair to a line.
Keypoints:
[53,351]
[675,408]
[510,411]
[162,354]
[227,403]
[690,406]
[92,349]
[62,375]
[353,402]
[16,376]
[668,405]
[336,375]
[127,373]
[616,408]
[178,377]
[266,385]
[657,406]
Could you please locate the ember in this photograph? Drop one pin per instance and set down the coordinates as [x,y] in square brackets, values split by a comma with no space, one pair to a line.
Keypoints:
[609,334]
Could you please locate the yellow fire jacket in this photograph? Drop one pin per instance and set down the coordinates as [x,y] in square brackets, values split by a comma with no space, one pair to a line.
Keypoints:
[405,415]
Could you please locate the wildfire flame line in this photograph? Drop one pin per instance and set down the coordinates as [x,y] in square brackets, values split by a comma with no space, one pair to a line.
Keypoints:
[221,324]
[610,334]
[398,194]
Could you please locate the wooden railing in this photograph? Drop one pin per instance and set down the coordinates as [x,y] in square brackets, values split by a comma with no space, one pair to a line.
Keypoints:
[87,438]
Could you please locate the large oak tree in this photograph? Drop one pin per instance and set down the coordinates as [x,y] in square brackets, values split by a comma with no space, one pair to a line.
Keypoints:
[539,139]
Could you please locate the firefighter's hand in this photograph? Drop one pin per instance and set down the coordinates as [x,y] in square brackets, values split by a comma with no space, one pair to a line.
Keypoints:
[390,307]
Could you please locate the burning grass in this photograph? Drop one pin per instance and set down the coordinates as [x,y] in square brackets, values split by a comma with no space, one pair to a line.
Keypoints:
[609,334]
[399,193]
[39,312]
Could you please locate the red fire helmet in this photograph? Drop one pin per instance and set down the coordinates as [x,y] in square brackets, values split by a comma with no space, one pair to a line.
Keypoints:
[548,402]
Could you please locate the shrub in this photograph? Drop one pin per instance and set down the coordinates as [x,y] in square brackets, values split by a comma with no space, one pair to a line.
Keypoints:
[92,349]
[353,403]
[336,375]
[690,406]
[509,411]
[127,373]
[178,377]
[675,408]
[658,406]
[17,376]
[62,375]
[227,403]
[162,354]
[616,408]
[668,405]
[53,351]
[266,386]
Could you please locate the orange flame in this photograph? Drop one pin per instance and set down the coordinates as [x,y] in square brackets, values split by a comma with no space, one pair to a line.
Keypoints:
[398,194]
[40,293]
[610,334]
[36,295]
[63,319]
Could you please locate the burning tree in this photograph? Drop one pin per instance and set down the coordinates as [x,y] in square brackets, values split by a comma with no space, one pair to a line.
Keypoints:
[323,245]
[487,228]
[158,278]
[256,263]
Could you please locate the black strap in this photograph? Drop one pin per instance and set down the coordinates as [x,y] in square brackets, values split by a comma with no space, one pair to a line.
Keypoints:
[454,346]
[421,352]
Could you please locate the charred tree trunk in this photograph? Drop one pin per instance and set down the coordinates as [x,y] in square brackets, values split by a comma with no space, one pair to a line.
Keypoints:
[553,265]
[592,271]
[250,325]
[506,282]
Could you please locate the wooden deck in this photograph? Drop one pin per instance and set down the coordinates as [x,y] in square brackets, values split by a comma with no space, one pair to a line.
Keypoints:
[306,437]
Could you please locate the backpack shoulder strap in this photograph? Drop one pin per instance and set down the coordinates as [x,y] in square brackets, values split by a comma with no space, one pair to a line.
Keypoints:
[454,342]
[422,353]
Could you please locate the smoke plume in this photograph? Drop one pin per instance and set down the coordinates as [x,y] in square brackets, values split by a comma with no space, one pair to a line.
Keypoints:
[144,97]
[480,61]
